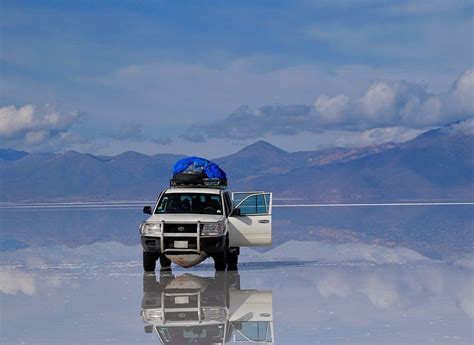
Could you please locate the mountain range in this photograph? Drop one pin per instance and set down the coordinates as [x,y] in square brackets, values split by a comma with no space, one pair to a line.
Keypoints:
[437,165]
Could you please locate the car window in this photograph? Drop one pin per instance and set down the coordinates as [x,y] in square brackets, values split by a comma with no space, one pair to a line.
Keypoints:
[190,203]
[254,204]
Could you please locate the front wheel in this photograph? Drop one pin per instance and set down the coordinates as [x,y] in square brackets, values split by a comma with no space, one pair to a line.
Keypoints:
[165,263]
[220,261]
[232,259]
[149,261]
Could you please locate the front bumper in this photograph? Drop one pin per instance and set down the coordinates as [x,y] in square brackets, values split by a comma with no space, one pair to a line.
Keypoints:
[209,245]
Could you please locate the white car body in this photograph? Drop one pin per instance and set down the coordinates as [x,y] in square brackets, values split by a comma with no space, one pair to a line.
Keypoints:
[251,226]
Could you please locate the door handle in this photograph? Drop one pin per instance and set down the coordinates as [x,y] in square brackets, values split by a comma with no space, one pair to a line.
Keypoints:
[264,221]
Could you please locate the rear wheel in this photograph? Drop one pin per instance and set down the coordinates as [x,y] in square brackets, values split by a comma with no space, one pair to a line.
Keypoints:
[149,261]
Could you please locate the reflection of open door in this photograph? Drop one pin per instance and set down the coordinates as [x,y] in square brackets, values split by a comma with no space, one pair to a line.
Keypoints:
[253,226]
[251,315]
[254,332]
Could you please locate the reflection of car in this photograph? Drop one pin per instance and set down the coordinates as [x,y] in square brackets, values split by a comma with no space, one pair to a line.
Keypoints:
[205,310]
[189,224]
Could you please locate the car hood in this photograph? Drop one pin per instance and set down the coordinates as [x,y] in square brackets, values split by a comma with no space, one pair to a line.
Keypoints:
[185,218]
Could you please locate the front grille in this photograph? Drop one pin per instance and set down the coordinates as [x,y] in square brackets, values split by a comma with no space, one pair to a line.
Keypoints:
[178,228]
[169,242]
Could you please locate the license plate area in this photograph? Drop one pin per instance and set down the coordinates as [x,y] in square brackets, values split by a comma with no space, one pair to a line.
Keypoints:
[181,244]
[181,300]
[169,243]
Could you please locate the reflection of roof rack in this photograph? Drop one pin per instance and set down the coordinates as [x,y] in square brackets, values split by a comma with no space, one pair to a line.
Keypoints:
[202,183]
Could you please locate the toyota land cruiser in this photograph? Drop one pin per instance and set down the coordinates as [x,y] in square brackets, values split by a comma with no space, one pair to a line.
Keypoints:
[193,222]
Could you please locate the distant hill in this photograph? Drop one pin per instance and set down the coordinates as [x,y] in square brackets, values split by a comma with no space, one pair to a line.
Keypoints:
[262,159]
[438,164]
[11,155]
[74,175]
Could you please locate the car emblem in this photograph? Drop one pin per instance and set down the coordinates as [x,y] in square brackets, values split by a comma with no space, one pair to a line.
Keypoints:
[181,315]
[180,228]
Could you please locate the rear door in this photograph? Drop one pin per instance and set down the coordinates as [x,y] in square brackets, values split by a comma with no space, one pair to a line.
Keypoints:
[253,227]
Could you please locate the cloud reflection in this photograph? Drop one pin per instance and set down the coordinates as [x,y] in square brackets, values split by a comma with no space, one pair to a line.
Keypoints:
[13,281]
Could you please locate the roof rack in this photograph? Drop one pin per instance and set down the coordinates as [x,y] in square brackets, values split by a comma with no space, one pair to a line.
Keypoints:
[218,183]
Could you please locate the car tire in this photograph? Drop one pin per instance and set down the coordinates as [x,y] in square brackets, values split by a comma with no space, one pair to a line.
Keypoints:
[220,261]
[232,259]
[149,261]
[165,263]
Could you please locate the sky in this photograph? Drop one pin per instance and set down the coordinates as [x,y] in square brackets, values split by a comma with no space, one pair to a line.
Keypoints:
[210,77]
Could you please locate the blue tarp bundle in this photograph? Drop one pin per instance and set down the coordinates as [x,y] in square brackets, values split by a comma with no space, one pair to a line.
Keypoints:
[199,165]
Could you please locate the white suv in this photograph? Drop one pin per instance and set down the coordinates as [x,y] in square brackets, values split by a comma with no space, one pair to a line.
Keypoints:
[189,224]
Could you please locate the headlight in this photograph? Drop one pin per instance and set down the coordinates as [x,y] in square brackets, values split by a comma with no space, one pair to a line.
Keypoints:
[150,229]
[151,315]
[214,314]
[212,229]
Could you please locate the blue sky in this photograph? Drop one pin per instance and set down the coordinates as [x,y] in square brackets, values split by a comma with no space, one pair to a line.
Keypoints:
[208,77]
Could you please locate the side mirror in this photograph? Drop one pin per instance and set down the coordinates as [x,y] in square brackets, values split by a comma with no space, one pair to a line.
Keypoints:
[149,329]
[235,212]
[147,209]
[237,325]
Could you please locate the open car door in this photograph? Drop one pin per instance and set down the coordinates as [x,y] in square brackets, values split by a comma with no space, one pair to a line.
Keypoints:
[250,223]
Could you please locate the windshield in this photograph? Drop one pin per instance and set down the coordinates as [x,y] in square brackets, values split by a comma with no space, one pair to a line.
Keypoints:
[192,335]
[190,203]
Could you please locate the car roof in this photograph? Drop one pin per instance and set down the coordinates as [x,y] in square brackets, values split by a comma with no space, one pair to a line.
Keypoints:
[194,190]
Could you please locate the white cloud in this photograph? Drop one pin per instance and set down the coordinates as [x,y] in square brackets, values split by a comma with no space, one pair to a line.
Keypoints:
[465,127]
[463,92]
[174,90]
[385,107]
[347,110]
[28,126]
[331,108]
[400,103]
[379,100]
[13,120]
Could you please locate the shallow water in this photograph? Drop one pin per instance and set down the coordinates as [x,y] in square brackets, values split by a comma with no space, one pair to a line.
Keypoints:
[282,303]
[333,276]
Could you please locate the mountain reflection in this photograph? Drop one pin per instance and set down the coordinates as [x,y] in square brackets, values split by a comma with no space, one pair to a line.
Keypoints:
[191,309]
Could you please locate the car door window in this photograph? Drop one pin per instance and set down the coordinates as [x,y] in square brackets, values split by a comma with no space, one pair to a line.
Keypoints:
[254,204]
[237,197]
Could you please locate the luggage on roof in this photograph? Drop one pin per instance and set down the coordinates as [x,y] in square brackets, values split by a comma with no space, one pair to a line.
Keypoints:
[196,171]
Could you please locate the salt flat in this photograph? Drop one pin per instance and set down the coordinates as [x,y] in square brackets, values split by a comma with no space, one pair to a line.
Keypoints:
[419,302]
